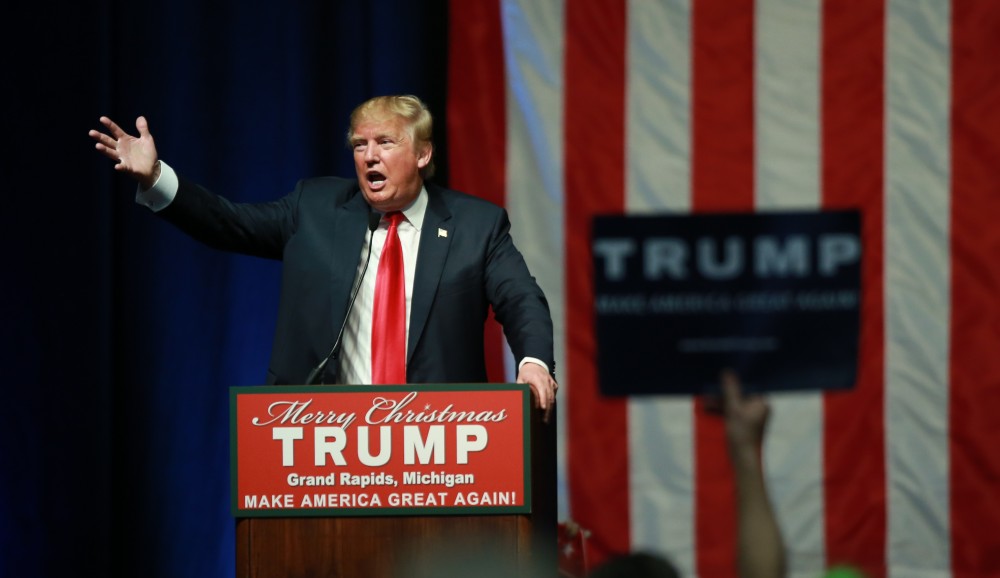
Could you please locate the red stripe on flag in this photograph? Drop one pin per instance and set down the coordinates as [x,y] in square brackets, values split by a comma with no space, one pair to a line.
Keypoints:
[722,174]
[477,122]
[975,313]
[853,65]
[594,184]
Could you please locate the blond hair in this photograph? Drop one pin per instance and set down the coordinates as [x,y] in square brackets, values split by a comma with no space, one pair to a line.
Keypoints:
[411,109]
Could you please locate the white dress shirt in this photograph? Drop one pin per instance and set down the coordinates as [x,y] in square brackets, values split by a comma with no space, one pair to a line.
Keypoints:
[356,346]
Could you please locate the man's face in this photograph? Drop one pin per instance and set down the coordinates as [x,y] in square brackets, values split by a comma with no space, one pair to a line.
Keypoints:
[388,163]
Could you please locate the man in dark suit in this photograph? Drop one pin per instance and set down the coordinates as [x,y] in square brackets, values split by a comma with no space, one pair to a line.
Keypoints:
[458,254]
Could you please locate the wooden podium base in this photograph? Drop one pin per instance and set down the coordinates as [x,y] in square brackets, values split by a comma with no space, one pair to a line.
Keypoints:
[390,547]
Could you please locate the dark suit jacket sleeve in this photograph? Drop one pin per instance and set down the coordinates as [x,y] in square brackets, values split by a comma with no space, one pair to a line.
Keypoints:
[518,302]
[319,253]
[258,229]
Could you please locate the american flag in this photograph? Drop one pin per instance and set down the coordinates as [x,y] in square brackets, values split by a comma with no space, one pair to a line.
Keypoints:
[563,109]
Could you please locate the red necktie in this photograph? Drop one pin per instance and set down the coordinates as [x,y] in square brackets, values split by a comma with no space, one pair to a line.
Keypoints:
[389,311]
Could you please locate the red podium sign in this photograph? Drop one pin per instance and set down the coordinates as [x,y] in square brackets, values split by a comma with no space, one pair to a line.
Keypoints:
[379,450]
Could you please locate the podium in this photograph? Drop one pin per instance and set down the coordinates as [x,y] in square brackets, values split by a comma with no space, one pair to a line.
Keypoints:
[381,543]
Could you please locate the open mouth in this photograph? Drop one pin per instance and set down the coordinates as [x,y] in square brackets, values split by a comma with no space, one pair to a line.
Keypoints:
[375,179]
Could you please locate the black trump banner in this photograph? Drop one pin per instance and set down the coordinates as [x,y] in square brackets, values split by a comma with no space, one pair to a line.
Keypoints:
[773,296]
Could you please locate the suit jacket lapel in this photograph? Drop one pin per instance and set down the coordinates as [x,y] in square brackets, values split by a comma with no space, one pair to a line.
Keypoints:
[430,263]
[348,236]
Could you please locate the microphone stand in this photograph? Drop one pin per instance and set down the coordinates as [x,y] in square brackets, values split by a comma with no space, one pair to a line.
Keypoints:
[373,221]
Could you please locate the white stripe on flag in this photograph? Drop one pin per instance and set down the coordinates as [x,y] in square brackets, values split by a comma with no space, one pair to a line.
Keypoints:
[917,286]
[658,179]
[787,171]
[533,54]
[658,97]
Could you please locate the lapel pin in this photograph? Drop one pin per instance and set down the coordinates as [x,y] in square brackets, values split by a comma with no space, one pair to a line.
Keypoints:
[442,233]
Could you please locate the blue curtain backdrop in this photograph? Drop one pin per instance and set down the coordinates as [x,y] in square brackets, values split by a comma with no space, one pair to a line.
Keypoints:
[121,335]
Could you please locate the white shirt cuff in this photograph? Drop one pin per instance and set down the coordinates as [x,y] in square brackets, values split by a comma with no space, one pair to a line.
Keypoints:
[163,191]
[533,360]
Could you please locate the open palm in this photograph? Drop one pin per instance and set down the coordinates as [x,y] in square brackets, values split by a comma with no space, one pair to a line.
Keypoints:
[134,155]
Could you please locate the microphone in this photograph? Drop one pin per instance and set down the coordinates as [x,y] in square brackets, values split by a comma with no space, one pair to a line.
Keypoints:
[373,221]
